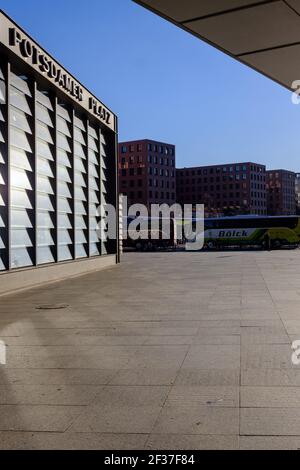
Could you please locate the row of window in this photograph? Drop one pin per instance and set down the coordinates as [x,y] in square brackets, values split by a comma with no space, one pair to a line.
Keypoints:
[216,187]
[285,176]
[212,179]
[224,169]
[132,171]
[278,190]
[206,200]
[231,199]
[132,159]
[156,183]
[258,195]
[151,194]
[156,148]
[212,170]
[161,172]
[284,186]
[161,149]
[212,189]
[161,161]
[199,196]
[255,170]
[151,170]
[162,184]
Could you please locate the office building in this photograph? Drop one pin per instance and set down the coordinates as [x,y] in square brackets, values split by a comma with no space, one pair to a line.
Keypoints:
[147,172]
[281,192]
[297,192]
[229,189]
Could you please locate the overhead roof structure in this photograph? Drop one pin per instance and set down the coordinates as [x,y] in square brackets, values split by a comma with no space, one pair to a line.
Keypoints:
[264,35]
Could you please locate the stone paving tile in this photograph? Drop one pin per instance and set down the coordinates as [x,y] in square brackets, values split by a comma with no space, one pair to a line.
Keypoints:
[229,325]
[117,419]
[218,331]
[194,419]
[71,441]
[266,356]
[213,357]
[265,339]
[259,322]
[157,357]
[38,417]
[269,443]
[48,394]
[217,314]
[144,376]
[56,376]
[272,397]
[191,442]
[209,377]
[224,396]
[292,327]
[131,396]
[170,340]
[220,339]
[271,377]
[270,421]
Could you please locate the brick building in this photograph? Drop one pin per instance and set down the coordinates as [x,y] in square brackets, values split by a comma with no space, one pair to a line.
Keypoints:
[281,192]
[147,172]
[236,188]
[297,189]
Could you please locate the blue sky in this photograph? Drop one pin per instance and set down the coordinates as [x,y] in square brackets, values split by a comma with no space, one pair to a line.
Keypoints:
[164,84]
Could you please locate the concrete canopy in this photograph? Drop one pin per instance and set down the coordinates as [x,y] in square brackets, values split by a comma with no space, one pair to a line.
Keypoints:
[264,35]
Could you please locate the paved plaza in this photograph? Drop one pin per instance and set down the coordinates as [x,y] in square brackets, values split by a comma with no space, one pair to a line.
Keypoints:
[166,351]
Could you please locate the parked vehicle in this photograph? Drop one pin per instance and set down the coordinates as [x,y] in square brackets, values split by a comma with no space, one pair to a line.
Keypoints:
[153,238]
[268,232]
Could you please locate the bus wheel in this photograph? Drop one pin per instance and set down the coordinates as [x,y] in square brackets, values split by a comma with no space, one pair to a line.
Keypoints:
[138,246]
[276,244]
[211,245]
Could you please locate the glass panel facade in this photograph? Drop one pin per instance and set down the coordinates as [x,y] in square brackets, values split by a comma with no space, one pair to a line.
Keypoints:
[3,182]
[54,173]
[80,191]
[21,176]
[94,190]
[64,183]
[45,182]
[104,185]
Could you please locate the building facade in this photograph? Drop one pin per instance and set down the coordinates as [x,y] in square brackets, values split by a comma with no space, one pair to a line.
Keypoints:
[281,192]
[297,192]
[58,147]
[231,189]
[147,172]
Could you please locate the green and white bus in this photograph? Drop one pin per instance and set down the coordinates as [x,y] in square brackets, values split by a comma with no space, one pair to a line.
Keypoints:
[265,231]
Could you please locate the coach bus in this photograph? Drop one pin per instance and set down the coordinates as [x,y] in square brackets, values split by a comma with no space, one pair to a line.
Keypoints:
[153,238]
[264,231]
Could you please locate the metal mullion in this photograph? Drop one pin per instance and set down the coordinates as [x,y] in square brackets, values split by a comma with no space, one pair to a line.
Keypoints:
[73,184]
[56,180]
[100,190]
[116,151]
[35,176]
[4,166]
[88,188]
[8,168]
